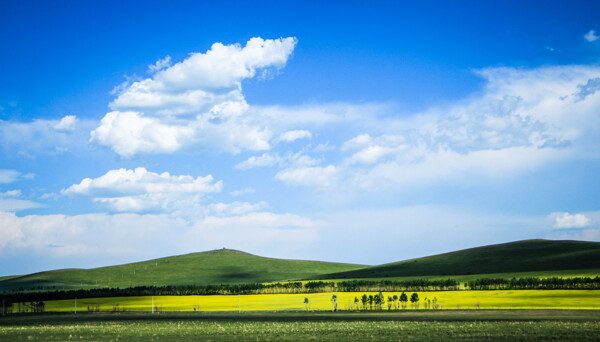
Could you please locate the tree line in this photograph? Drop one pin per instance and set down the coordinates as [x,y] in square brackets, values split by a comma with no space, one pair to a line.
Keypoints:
[373,302]
[535,283]
[311,287]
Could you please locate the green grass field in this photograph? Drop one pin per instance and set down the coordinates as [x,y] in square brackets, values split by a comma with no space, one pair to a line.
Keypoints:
[509,325]
[522,299]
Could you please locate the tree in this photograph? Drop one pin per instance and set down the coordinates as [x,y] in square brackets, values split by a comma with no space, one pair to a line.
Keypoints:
[356,302]
[364,299]
[334,302]
[414,299]
[395,298]
[390,302]
[306,303]
[378,301]
[403,300]
[371,299]
[381,301]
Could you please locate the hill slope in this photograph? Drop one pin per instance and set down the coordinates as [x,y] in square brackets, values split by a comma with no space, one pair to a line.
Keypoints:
[520,256]
[205,268]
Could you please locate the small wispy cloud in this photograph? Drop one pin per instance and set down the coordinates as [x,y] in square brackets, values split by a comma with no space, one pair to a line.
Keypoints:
[291,136]
[245,191]
[159,65]
[591,36]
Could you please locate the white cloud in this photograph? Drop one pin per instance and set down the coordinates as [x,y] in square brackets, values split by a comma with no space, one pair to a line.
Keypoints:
[233,209]
[11,193]
[139,190]
[67,123]
[522,120]
[291,136]
[196,101]
[40,136]
[9,176]
[266,159]
[10,202]
[159,65]
[272,159]
[591,36]
[371,150]
[129,133]
[13,204]
[567,221]
[245,191]
[317,176]
[140,236]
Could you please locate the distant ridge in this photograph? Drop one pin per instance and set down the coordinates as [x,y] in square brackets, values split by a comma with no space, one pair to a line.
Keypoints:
[519,256]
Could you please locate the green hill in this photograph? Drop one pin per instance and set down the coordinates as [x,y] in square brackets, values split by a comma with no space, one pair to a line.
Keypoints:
[235,267]
[520,256]
[223,266]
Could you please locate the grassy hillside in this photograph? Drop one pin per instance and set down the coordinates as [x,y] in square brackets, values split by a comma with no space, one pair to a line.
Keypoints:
[520,256]
[213,267]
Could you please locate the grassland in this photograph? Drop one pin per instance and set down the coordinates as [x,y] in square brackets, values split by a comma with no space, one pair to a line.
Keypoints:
[522,299]
[520,256]
[206,268]
[513,325]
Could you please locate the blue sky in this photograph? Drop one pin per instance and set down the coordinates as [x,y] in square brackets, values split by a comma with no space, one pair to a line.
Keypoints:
[352,132]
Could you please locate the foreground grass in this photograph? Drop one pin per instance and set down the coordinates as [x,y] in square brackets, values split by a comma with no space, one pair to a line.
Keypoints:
[520,299]
[510,325]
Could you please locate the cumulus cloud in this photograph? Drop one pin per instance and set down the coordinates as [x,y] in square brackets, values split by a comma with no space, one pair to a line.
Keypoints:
[291,136]
[591,36]
[196,101]
[139,190]
[130,132]
[567,221]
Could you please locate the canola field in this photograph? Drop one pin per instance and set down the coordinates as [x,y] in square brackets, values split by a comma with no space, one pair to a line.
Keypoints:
[521,299]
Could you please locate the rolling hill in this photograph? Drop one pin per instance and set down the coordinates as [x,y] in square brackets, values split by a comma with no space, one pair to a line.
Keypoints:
[224,266]
[520,256]
[228,266]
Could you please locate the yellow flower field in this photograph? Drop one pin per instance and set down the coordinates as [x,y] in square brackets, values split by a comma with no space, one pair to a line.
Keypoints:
[535,299]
